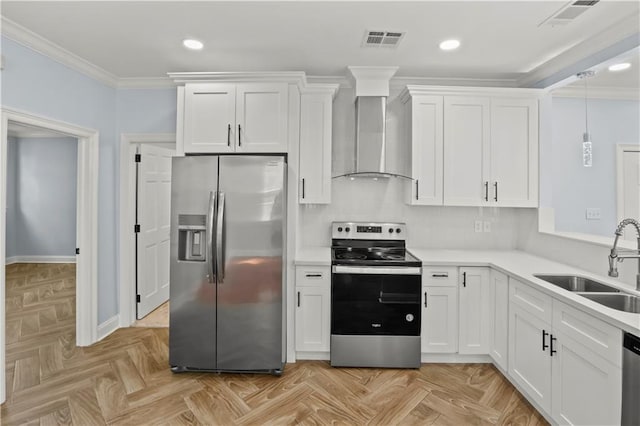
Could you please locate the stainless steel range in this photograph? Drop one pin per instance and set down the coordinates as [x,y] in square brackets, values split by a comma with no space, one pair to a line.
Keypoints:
[375,297]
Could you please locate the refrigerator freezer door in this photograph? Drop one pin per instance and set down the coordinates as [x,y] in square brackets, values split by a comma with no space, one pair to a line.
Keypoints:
[192,332]
[250,284]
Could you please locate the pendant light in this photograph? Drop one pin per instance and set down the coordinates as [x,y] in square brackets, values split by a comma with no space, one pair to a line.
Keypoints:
[587,149]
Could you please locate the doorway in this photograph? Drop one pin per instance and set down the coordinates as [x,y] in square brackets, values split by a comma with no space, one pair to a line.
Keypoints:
[145,196]
[86,224]
[628,185]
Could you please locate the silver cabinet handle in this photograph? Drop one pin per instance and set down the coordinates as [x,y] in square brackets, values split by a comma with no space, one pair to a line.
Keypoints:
[209,231]
[219,242]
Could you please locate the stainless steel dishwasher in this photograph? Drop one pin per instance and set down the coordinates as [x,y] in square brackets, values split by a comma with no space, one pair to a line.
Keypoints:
[631,380]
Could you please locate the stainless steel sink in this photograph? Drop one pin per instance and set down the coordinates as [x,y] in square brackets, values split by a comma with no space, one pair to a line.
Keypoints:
[620,302]
[577,284]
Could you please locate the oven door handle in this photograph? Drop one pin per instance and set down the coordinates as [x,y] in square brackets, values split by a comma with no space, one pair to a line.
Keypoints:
[398,299]
[376,270]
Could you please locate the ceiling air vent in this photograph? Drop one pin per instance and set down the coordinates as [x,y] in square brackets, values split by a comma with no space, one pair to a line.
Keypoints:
[569,12]
[382,38]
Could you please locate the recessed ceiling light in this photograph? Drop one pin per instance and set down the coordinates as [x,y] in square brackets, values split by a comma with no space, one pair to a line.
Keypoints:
[192,44]
[619,67]
[450,44]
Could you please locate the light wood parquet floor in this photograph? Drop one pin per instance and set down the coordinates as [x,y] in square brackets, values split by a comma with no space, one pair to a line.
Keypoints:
[125,379]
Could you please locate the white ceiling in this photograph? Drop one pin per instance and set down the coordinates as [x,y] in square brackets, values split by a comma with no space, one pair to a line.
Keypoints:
[501,40]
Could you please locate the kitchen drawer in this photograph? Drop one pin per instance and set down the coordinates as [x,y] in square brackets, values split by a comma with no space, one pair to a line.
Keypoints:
[531,300]
[440,276]
[313,275]
[598,336]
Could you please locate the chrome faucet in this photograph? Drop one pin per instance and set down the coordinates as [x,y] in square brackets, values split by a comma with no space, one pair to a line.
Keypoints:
[618,256]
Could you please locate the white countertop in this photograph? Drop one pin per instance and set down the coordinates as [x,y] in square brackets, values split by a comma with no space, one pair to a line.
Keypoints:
[517,264]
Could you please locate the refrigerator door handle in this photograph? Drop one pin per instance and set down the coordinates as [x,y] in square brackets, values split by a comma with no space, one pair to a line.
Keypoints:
[209,231]
[219,243]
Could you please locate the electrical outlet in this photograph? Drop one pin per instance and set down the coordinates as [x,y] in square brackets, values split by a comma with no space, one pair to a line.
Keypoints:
[487,226]
[478,226]
[593,214]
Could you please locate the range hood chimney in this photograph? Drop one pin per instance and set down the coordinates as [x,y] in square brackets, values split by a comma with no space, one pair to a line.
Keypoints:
[372,90]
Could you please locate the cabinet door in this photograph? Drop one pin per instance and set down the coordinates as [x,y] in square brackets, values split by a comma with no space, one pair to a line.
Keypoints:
[466,157]
[261,117]
[587,390]
[499,312]
[529,364]
[313,319]
[209,118]
[426,127]
[315,148]
[474,311]
[439,320]
[514,152]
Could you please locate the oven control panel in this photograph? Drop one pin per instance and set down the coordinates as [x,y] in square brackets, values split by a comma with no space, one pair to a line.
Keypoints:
[369,230]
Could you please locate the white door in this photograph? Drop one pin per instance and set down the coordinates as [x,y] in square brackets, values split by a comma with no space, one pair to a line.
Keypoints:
[261,117]
[587,389]
[466,151]
[313,318]
[439,320]
[474,315]
[514,152]
[529,356]
[153,206]
[630,189]
[210,117]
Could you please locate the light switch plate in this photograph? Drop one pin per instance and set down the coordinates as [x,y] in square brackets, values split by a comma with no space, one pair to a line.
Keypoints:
[487,226]
[478,226]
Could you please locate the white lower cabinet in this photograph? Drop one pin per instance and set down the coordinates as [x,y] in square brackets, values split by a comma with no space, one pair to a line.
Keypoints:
[529,363]
[313,308]
[499,312]
[439,319]
[566,361]
[474,319]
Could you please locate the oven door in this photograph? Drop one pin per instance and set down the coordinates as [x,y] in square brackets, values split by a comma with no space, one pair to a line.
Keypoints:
[375,300]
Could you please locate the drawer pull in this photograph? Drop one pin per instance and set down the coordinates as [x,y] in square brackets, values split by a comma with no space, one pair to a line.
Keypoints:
[445,275]
[425,299]
[313,275]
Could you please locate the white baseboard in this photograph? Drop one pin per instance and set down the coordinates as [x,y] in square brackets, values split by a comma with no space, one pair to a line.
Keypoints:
[455,358]
[40,259]
[108,327]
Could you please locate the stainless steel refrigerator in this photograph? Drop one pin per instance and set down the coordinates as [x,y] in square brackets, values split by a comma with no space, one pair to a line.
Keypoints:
[228,227]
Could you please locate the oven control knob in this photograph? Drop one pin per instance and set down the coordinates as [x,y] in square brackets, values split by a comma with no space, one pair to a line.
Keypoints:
[347,229]
[409,317]
[390,230]
[398,230]
[339,228]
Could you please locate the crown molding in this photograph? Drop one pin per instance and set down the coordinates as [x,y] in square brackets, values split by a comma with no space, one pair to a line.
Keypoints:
[28,38]
[145,83]
[298,77]
[598,93]
[616,39]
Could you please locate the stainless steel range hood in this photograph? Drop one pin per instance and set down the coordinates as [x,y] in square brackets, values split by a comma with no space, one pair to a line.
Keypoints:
[371,115]
[372,90]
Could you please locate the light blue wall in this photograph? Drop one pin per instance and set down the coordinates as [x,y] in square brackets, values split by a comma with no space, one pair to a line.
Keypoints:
[146,110]
[575,187]
[11,197]
[44,220]
[36,84]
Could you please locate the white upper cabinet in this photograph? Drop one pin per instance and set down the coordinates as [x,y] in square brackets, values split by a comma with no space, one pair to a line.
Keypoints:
[514,152]
[491,151]
[472,146]
[315,145]
[227,117]
[424,115]
[466,159]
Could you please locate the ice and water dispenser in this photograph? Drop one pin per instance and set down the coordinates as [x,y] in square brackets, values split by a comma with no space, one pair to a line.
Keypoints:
[192,237]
